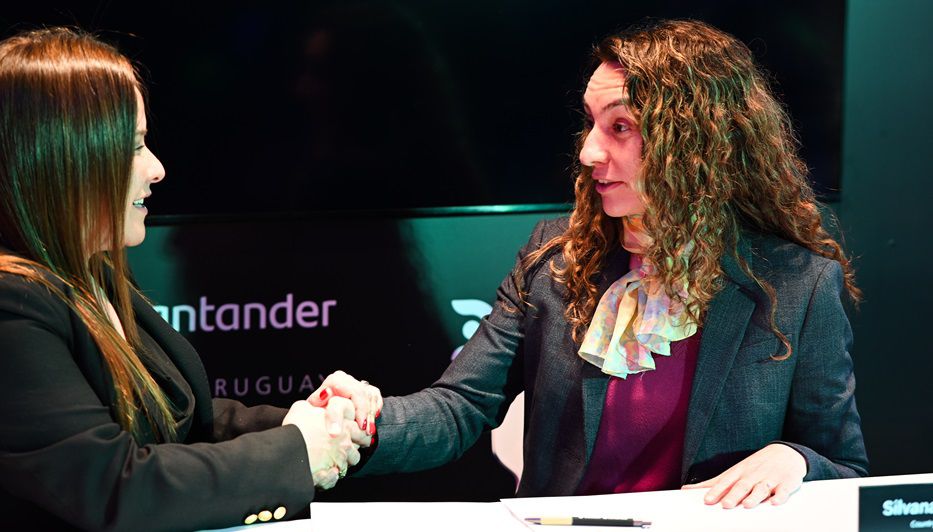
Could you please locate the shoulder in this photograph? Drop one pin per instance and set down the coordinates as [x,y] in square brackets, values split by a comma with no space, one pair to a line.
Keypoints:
[551,227]
[25,295]
[775,259]
[532,274]
[543,232]
[798,275]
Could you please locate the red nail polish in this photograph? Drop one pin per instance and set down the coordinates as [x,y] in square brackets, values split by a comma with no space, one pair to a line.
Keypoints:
[324,394]
[372,441]
[365,423]
[372,430]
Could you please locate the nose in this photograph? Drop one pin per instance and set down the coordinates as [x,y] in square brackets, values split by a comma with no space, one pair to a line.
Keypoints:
[592,153]
[156,170]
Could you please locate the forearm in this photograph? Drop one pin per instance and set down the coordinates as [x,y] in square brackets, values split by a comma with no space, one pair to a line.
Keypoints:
[423,430]
[821,468]
[233,418]
[99,479]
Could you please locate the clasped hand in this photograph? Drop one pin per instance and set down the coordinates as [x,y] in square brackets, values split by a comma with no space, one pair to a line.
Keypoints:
[332,437]
[336,421]
[366,398]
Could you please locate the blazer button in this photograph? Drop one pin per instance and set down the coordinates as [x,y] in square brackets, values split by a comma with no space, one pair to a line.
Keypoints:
[265,515]
[279,513]
[250,519]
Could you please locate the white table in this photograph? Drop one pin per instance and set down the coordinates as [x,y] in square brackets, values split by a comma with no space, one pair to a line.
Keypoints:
[828,505]
[825,505]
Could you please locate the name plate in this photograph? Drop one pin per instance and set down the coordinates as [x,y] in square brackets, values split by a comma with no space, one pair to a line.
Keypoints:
[895,507]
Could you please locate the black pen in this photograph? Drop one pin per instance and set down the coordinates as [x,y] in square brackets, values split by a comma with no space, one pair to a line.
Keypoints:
[586,521]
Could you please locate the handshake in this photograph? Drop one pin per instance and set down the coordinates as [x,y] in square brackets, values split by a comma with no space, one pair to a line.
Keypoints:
[336,421]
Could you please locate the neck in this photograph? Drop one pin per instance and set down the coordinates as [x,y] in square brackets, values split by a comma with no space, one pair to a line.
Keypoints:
[635,238]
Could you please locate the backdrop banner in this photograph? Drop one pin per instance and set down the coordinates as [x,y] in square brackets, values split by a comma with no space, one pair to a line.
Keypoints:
[273,306]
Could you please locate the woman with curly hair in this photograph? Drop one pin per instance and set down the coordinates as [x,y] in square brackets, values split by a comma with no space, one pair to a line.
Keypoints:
[684,327]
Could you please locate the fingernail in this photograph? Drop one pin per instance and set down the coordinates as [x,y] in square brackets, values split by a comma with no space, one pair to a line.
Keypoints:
[365,425]
[378,412]
[325,393]
[372,430]
[372,441]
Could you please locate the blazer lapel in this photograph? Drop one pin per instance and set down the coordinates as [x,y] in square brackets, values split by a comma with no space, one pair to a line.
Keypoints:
[595,382]
[726,320]
[181,353]
[587,387]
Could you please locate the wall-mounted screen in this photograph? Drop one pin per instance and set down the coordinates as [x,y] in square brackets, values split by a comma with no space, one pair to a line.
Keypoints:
[333,105]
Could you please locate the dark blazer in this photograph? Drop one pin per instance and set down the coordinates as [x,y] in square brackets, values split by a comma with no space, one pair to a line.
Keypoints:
[742,399]
[63,458]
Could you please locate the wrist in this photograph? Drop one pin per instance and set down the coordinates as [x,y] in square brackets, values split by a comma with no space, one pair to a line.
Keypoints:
[803,457]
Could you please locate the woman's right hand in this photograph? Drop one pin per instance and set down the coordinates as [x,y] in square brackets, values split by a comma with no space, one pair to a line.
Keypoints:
[366,398]
[329,437]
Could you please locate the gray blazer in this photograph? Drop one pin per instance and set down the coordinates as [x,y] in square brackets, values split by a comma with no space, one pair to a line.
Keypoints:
[742,399]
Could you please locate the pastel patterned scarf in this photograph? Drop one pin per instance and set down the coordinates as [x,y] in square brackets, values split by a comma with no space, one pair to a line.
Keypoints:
[635,317]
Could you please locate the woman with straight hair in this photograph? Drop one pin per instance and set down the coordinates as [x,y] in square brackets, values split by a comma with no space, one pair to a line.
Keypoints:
[684,326]
[106,419]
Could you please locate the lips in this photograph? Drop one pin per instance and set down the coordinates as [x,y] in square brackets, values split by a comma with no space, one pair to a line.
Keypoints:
[603,187]
[140,202]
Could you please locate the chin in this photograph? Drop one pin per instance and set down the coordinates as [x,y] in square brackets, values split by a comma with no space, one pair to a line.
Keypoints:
[134,239]
[617,211]
[627,205]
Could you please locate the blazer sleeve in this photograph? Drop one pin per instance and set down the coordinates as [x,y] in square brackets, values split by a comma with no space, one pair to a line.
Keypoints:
[438,424]
[822,422]
[233,418]
[61,449]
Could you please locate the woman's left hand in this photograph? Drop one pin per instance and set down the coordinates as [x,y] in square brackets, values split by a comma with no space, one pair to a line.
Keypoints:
[771,474]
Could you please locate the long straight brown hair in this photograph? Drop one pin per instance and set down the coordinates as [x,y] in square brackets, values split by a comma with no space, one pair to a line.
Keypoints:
[67,126]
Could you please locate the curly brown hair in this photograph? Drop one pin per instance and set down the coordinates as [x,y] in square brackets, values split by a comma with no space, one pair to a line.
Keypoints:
[719,156]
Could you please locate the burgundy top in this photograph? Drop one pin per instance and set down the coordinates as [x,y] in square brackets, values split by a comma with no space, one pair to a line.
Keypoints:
[640,443]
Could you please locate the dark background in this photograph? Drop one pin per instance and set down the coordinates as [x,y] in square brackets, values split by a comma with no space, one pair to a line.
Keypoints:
[228,121]
[336,105]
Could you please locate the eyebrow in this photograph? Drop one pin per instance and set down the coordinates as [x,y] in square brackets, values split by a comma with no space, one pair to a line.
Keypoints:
[618,103]
[621,102]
